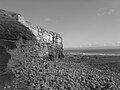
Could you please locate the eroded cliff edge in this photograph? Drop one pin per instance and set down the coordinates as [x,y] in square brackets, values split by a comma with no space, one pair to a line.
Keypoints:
[25,61]
[20,43]
[13,27]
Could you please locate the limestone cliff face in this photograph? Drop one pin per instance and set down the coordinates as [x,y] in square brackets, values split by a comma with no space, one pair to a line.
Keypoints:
[23,48]
[51,40]
[49,43]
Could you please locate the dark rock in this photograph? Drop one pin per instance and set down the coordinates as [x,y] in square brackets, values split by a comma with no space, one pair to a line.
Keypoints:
[7,44]
[13,30]
[4,58]
[106,86]
[92,86]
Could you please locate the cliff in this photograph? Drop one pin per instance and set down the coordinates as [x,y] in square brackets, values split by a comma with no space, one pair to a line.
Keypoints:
[14,27]
[51,40]
[21,43]
[26,52]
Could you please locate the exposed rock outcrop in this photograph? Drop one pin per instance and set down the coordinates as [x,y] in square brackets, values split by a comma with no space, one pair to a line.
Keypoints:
[13,27]
[24,65]
[52,40]
[21,42]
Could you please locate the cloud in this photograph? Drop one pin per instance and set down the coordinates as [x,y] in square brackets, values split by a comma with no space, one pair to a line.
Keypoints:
[111,11]
[100,14]
[48,20]
[105,11]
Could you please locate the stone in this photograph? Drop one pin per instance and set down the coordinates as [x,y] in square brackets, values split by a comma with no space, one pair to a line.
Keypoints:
[106,86]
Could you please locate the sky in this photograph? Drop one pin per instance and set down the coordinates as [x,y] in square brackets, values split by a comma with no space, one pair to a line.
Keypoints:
[81,23]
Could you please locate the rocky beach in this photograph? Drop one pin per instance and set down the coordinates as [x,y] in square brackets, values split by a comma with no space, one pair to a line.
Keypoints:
[32,58]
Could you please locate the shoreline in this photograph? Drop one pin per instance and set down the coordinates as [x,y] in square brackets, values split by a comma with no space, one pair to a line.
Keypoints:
[92,54]
[101,54]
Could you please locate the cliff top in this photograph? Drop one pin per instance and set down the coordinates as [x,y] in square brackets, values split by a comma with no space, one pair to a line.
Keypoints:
[11,16]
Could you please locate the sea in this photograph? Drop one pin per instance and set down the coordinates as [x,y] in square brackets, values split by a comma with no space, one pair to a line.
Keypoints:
[111,52]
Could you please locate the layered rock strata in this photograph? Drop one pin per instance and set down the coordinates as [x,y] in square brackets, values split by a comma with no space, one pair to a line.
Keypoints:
[15,27]
[23,65]
[20,43]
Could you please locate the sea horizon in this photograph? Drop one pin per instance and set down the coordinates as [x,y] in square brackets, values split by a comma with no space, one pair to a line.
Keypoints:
[94,51]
